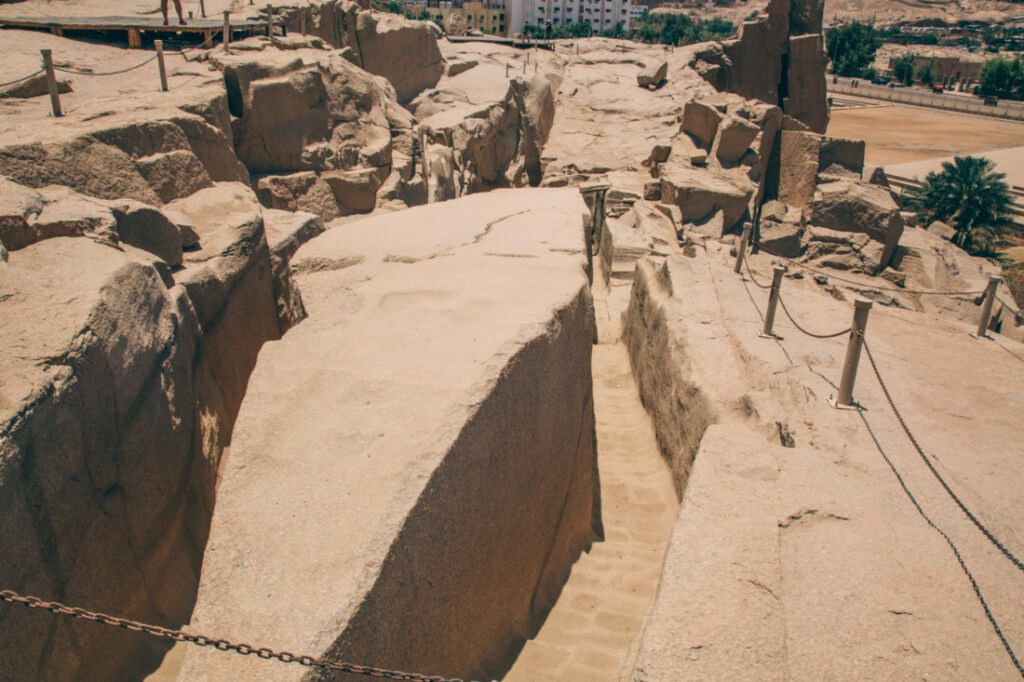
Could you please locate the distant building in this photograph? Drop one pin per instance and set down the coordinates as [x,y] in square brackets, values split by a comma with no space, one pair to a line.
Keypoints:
[486,17]
[952,67]
[638,11]
[600,14]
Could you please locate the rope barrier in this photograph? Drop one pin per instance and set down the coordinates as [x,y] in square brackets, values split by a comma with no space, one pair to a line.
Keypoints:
[746,263]
[219,644]
[974,519]
[105,73]
[956,551]
[23,78]
[918,292]
[949,541]
[811,334]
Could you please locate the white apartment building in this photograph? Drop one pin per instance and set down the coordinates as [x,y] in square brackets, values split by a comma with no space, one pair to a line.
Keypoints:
[600,14]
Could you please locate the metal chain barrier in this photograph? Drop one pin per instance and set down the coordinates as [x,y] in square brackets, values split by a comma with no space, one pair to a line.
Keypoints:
[23,78]
[811,334]
[219,644]
[949,541]
[974,519]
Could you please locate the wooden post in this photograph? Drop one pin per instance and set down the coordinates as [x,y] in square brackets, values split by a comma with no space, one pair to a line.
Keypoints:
[861,308]
[160,62]
[986,308]
[773,302]
[270,21]
[51,82]
[302,23]
[227,30]
[742,250]
[506,69]
[202,8]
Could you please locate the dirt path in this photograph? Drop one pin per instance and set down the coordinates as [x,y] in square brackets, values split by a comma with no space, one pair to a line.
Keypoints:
[590,633]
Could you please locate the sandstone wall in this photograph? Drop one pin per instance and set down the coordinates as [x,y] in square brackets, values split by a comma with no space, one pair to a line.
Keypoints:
[413,469]
[678,405]
[122,379]
[403,51]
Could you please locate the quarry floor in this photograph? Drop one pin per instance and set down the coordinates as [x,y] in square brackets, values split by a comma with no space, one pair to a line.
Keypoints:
[590,633]
[897,133]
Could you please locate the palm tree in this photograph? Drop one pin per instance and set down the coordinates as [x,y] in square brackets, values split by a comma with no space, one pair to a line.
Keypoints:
[970,196]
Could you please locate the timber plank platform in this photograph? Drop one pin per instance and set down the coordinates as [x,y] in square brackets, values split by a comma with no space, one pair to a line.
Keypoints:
[133,25]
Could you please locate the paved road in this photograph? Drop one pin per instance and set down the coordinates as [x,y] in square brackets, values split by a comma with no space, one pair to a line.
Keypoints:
[920,97]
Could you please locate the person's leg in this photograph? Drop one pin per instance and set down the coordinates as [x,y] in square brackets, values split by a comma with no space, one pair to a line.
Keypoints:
[163,9]
[177,8]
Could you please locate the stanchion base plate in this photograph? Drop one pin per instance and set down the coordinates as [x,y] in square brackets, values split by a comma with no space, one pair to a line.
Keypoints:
[852,406]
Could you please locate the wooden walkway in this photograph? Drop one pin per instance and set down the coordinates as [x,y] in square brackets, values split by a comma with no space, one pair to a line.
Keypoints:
[134,26]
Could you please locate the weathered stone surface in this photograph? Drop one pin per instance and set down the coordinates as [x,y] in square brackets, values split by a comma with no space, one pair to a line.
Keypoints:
[805,16]
[839,157]
[652,191]
[457,66]
[781,239]
[402,51]
[97,446]
[149,229]
[354,190]
[35,86]
[747,589]
[699,193]
[876,175]
[941,229]
[652,75]
[859,207]
[734,138]
[799,160]
[143,153]
[700,121]
[286,232]
[415,500]
[807,94]
[174,174]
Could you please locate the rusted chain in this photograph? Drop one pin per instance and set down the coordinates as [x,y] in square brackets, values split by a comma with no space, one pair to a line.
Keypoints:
[811,334]
[219,644]
[23,78]
[931,467]
[105,73]
[949,541]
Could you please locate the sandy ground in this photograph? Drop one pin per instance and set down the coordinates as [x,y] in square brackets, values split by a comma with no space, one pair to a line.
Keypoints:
[902,134]
[589,635]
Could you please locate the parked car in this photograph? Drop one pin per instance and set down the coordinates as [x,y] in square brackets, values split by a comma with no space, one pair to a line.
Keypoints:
[938,89]
[991,101]
[881,81]
[897,84]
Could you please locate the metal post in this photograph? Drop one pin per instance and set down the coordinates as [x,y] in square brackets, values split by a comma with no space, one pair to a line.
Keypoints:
[773,302]
[227,31]
[270,21]
[302,23]
[202,8]
[51,82]
[986,307]
[861,308]
[742,250]
[506,69]
[160,62]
